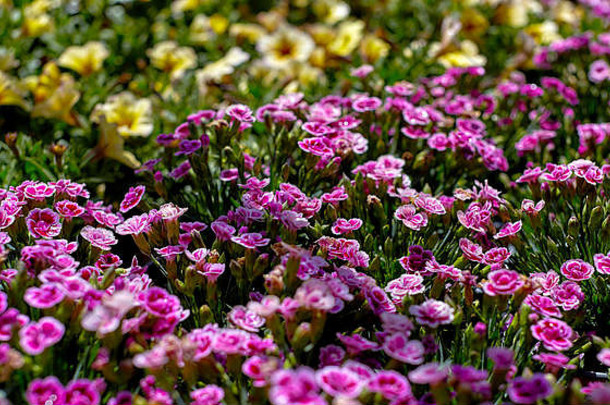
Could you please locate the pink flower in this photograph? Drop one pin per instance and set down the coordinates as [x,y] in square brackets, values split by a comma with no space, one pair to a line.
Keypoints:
[342,225]
[554,361]
[364,104]
[38,191]
[37,336]
[334,197]
[430,204]
[523,390]
[69,209]
[339,382]
[577,270]
[132,198]
[471,250]
[83,391]
[99,237]
[410,218]
[604,357]
[240,112]
[399,347]
[568,295]
[554,334]
[543,305]
[391,384]
[295,387]
[602,263]
[509,229]
[432,313]
[135,225]
[47,296]
[43,392]
[531,208]
[209,395]
[43,223]
[245,319]
[315,294]
[251,240]
[502,282]
[430,373]
[170,212]
[407,284]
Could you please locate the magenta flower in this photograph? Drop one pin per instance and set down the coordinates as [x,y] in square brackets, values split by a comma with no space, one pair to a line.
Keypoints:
[543,305]
[209,395]
[132,198]
[509,229]
[554,334]
[84,391]
[502,282]
[399,347]
[531,208]
[240,112]
[135,225]
[554,361]
[69,209]
[391,384]
[407,284]
[432,313]
[602,263]
[35,337]
[38,191]
[251,240]
[43,223]
[295,387]
[577,270]
[334,197]
[568,295]
[47,296]
[430,204]
[604,356]
[315,294]
[342,225]
[430,373]
[99,237]
[502,357]
[339,382]
[43,392]
[245,319]
[410,217]
[522,390]
[364,104]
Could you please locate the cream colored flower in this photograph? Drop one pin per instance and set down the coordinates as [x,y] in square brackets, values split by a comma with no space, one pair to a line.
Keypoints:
[468,55]
[347,39]
[10,93]
[7,59]
[373,48]
[215,71]
[204,28]
[330,11]
[543,33]
[171,58]
[249,32]
[132,116]
[180,6]
[284,47]
[86,59]
[55,94]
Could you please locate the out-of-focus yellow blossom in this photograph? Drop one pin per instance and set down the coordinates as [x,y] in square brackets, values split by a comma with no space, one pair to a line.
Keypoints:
[111,146]
[515,12]
[322,34]
[272,20]
[474,24]
[34,25]
[373,48]
[306,76]
[132,116]
[54,94]
[330,11]
[219,23]
[203,28]
[7,60]
[86,59]
[467,55]
[248,32]
[284,47]
[318,57]
[348,37]
[543,33]
[171,58]
[180,6]
[10,93]
[215,71]
[567,12]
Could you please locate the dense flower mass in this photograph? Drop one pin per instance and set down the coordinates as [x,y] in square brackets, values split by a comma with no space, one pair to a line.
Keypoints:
[304,202]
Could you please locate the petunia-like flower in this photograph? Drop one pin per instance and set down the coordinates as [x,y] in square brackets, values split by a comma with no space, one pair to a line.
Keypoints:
[209,395]
[251,240]
[132,198]
[86,59]
[99,237]
[410,217]
[132,116]
[35,337]
[399,347]
[339,382]
[577,270]
[502,282]
[523,390]
[554,334]
[432,313]
[43,223]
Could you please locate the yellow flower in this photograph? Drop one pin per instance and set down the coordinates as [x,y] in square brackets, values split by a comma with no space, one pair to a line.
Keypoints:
[515,13]
[322,34]
[111,146]
[34,25]
[55,94]
[180,6]
[86,59]
[10,93]
[215,71]
[7,59]
[248,32]
[348,36]
[285,46]
[543,33]
[330,11]
[474,24]
[219,23]
[171,58]
[467,55]
[567,12]
[132,116]
[373,48]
